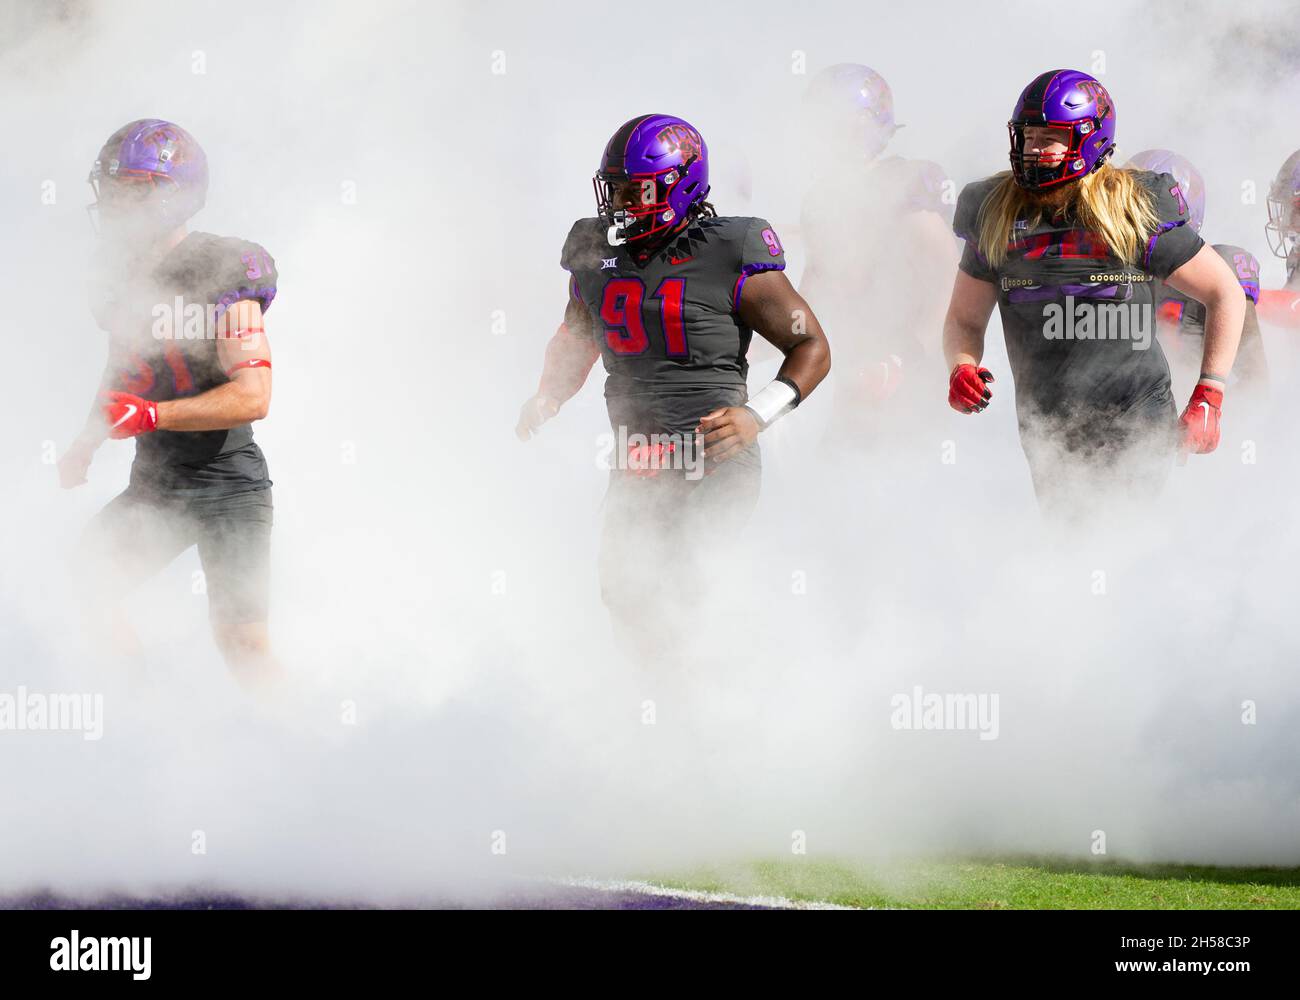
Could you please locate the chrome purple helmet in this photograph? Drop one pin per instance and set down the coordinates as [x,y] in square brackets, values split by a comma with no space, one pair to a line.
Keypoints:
[1283,226]
[1064,99]
[854,104]
[1190,182]
[155,165]
[655,171]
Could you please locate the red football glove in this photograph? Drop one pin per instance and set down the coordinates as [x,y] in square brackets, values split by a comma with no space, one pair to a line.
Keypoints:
[967,389]
[1201,420]
[128,415]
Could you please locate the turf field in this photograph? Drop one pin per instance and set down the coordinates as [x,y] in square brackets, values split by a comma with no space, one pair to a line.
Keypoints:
[1007,884]
[1022,883]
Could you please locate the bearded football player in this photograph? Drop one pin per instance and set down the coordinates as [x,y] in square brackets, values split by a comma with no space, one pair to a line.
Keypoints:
[1067,247]
[880,254]
[188,371]
[1181,319]
[669,294]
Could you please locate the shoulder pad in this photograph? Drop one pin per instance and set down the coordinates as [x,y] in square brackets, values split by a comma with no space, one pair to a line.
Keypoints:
[928,190]
[585,245]
[921,185]
[1166,196]
[965,222]
[221,270]
[1245,268]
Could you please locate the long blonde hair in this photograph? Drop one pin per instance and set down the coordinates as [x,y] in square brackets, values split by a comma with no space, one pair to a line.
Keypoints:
[1109,202]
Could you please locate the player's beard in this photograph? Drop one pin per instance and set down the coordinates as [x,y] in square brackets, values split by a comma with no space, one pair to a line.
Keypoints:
[1051,201]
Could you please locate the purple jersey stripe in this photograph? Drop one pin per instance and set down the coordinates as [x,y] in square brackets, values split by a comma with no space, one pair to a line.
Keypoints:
[745,272]
[1151,243]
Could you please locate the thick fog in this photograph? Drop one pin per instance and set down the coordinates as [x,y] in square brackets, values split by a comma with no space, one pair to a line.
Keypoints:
[458,713]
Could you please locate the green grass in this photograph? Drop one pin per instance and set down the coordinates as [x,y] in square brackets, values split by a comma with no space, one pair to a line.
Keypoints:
[1021,883]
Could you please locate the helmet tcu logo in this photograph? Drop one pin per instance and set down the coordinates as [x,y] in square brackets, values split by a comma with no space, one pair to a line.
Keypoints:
[682,139]
[1097,92]
[166,142]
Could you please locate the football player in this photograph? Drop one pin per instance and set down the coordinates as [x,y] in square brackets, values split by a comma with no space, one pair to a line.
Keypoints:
[880,253]
[1182,319]
[188,371]
[1067,246]
[668,294]
[1281,306]
[1283,226]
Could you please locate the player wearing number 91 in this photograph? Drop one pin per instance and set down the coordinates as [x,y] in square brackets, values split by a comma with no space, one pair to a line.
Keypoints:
[668,294]
[188,371]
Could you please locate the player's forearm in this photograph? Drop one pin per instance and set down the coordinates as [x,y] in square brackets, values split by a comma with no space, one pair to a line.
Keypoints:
[1252,363]
[963,343]
[1225,315]
[806,364]
[569,359]
[94,431]
[218,409]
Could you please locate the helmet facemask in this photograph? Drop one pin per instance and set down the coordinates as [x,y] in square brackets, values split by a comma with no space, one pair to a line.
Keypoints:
[134,205]
[637,206]
[1283,226]
[1036,171]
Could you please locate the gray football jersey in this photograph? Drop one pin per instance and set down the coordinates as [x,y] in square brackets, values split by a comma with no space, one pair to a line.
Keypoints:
[204,271]
[669,330]
[1108,363]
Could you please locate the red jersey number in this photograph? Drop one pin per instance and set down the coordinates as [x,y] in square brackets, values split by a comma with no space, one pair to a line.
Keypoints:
[620,311]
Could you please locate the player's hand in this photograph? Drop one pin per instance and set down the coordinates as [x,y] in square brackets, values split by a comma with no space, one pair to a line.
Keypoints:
[75,463]
[1201,420]
[126,415]
[535,412]
[726,431]
[968,390]
[882,379]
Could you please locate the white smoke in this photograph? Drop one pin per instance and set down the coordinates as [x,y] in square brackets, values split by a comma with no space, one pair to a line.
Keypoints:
[414,169]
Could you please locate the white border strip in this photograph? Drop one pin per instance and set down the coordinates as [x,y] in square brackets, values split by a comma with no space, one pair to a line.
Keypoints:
[697,895]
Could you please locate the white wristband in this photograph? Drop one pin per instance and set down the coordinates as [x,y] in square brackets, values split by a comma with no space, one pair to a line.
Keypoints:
[774,400]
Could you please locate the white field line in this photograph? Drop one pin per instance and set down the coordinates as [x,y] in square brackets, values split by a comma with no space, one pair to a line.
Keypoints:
[696,895]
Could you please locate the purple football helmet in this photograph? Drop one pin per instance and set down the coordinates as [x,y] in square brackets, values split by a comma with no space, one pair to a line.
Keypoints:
[853,102]
[655,171]
[1065,99]
[1283,227]
[153,166]
[1190,182]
